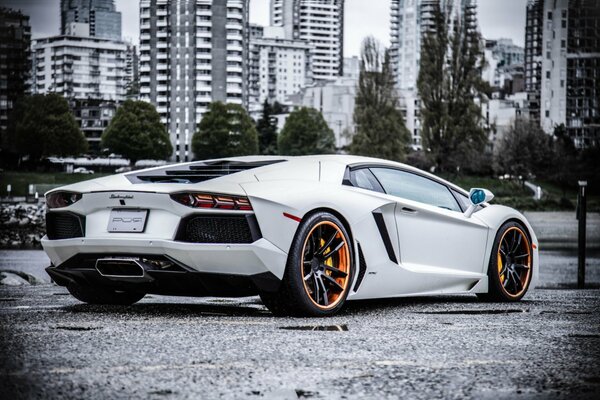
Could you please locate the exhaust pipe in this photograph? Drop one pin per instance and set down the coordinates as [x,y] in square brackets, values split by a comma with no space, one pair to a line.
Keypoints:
[120,268]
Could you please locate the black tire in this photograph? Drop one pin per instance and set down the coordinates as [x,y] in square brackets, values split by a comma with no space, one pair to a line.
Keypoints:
[511,263]
[297,298]
[96,295]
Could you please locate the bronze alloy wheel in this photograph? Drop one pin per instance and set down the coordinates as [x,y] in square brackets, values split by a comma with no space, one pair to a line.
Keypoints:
[318,272]
[514,261]
[325,265]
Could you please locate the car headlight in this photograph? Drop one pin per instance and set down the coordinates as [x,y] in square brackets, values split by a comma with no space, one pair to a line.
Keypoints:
[62,199]
[204,200]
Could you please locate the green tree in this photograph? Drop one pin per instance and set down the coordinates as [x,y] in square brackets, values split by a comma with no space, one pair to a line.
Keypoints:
[564,171]
[525,150]
[267,130]
[306,132]
[380,129]
[448,83]
[43,125]
[226,130]
[136,133]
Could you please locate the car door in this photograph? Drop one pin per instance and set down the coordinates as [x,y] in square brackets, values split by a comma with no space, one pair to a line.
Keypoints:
[434,235]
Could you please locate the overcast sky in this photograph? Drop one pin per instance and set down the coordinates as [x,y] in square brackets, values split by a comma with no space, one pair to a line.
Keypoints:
[497,19]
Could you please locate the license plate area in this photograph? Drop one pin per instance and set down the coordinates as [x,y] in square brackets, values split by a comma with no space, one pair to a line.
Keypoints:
[127,220]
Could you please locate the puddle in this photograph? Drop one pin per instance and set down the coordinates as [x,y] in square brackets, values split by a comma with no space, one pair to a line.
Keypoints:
[77,328]
[585,336]
[8,299]
[60,294]
[338,328]
[162,392]
[567,312]
[304,394]
[472,312]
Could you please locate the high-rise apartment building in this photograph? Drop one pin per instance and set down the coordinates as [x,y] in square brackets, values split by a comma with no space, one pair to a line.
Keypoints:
[15,41]
[279,67]
[534,29]
[321,24]
[410,20]
[562,67]
[100,16]
[192,52]
[91,73]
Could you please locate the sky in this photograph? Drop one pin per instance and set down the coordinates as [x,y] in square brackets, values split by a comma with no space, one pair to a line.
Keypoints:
[497,19]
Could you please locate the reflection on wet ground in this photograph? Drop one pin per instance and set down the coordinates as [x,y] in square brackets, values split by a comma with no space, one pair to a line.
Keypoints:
[334,328]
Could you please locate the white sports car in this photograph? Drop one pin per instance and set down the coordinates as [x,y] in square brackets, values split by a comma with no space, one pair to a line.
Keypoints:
[304,233]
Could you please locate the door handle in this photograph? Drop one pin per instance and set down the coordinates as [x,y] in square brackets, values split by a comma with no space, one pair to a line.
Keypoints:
[408,210]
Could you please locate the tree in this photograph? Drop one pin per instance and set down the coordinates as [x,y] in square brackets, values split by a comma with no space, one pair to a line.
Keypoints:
[448,83]
[226,130]
[43,125]
[136,133]
[564,171]
[380,129]
[525,149]
[306,132]
[267,131]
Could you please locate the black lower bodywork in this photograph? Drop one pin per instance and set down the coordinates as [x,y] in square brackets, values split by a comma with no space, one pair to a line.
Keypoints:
[161,275]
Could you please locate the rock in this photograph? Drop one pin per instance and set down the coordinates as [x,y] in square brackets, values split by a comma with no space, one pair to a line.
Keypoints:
[10,279]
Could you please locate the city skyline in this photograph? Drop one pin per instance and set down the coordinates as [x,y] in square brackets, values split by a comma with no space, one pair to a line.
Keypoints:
[496,19]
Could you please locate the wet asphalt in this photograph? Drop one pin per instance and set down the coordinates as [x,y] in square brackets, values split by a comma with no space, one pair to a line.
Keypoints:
[451,347]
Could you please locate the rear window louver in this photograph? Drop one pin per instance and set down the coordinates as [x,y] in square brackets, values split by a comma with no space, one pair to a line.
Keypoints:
[196,172]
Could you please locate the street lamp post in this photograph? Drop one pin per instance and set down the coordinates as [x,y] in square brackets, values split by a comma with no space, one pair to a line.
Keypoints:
[581,217]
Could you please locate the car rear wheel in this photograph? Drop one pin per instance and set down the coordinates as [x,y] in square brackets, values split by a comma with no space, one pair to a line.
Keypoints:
[319,270]
[96,295]
[511,264]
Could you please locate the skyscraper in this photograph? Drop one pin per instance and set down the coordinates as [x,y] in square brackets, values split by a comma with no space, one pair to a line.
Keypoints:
[278,67]
[562,67]
[101,16]
[410,20]
[321,24]
[534,29]
[15,59]
[192,52]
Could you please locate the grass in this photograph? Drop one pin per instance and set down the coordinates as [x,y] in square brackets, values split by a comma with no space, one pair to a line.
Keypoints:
[20,181]
[513,194]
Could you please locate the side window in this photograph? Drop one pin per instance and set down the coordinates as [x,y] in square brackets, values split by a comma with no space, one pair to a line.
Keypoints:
[414,187]
[364,179]
[462,199]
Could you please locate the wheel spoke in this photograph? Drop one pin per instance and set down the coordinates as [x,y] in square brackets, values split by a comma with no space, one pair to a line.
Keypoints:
[518,283]
[317,291]
[521,256]
[327,244]
[338,273]
[335,250]
[520,237]
[307,277]
[522,266]
[503,270]
[325,294]
[506,281]
[332,282]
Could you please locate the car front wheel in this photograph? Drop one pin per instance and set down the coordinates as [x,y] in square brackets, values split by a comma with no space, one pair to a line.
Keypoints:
[511,264]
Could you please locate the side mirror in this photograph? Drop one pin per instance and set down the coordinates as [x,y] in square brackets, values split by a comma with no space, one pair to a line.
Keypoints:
[477,196]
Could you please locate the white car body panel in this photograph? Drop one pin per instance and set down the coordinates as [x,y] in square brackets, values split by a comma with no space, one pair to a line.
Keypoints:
[437,251]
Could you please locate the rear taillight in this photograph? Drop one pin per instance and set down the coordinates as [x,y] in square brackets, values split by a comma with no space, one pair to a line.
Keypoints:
[62,199]
[222,202]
